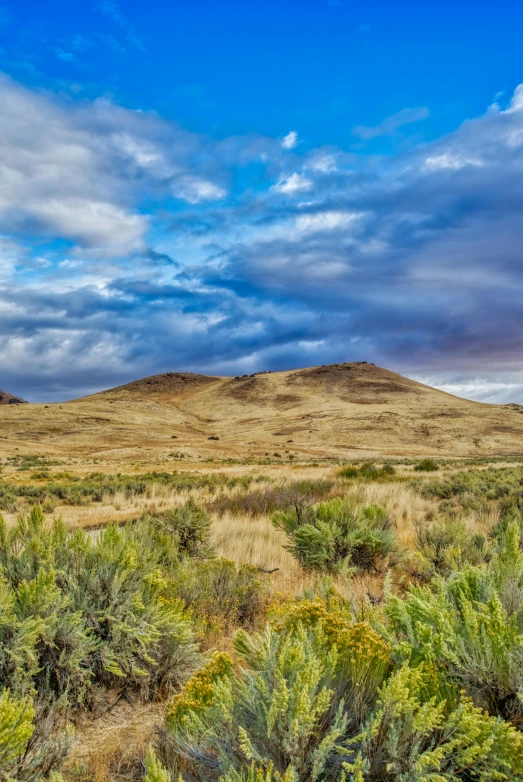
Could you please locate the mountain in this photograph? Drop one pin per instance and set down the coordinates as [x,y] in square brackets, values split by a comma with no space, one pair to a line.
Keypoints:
[9,399]
[346,410]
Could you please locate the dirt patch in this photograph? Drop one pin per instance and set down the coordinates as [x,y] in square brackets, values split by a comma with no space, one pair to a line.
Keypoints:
[249,389]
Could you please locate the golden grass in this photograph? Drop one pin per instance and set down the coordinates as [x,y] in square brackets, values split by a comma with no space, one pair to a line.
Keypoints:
[112,747]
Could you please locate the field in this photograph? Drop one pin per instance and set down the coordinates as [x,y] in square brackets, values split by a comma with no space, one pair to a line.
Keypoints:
[252,617]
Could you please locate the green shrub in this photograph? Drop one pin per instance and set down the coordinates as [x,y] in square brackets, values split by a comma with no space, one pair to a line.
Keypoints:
[369,472]
[335,534]
[426,465]
[189,525]
[477,490]
[303,687]
[220,595]
[420,732]
[449,546]
[315,700]
[78,614]
[471,624]
[28,753]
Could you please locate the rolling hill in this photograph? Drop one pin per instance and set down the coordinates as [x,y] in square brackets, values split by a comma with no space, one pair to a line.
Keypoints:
[347,410]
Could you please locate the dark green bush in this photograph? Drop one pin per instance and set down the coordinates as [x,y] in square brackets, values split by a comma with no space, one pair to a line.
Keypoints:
[188,525]
[427,465]
[337,534]
[369,472]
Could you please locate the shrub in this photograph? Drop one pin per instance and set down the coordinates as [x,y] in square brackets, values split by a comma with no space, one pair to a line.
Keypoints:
[449,546]
[369,472]
[335,534]
[189,525]
[287,710]
[420,732]
[316,701]
[470,623]
[426,465]
[77,613]
[220,594]
[476,490]
[27,751]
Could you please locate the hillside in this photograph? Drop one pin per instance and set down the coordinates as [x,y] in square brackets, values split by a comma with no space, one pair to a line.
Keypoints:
[9,399]
[345,410]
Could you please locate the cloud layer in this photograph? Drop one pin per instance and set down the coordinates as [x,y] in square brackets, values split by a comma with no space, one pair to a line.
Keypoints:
[130,246]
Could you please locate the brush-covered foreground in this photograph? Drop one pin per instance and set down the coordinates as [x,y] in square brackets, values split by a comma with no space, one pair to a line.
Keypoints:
[389,645]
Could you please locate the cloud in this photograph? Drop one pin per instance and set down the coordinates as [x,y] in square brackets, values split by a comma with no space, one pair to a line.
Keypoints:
[78,172]
[195,190]
[412,262]
[290,140]
[294,183]
[390,125]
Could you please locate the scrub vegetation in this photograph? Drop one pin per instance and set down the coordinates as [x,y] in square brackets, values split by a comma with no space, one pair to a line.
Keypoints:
[310,624]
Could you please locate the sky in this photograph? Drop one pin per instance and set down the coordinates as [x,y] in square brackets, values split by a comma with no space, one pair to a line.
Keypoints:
[229,187]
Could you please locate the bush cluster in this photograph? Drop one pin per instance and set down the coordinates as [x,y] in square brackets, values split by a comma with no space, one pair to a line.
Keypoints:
[475,490]
[430,690]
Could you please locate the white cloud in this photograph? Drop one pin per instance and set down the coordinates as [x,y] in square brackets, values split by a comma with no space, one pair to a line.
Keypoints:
[96,224]
[290,140]
[325,221]
[194,190]
[79,171]
[516,103]
[323,163]
[391,125]
[452,161]
[295,183]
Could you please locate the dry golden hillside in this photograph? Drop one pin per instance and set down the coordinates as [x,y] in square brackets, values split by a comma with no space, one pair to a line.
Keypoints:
[9,399]
[344,410]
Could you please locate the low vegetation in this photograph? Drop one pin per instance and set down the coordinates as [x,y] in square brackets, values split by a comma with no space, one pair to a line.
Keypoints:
[338,535]
[65,488]
[391,650]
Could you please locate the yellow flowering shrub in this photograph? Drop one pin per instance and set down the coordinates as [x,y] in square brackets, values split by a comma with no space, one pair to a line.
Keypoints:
[199,692]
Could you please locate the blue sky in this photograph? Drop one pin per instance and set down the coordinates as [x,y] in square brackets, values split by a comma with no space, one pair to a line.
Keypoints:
[229,187]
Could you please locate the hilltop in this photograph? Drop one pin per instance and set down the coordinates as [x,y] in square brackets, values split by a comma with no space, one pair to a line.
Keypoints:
[345,410]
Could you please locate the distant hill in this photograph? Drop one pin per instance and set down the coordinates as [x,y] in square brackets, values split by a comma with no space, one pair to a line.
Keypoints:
[343,410]
[9,399]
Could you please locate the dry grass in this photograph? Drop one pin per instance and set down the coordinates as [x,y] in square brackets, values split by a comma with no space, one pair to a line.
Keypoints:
[342,411]
[256,542]
[111,748]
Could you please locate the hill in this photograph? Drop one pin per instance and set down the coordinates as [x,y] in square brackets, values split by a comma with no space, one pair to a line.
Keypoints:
[346,410]
[9,399]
